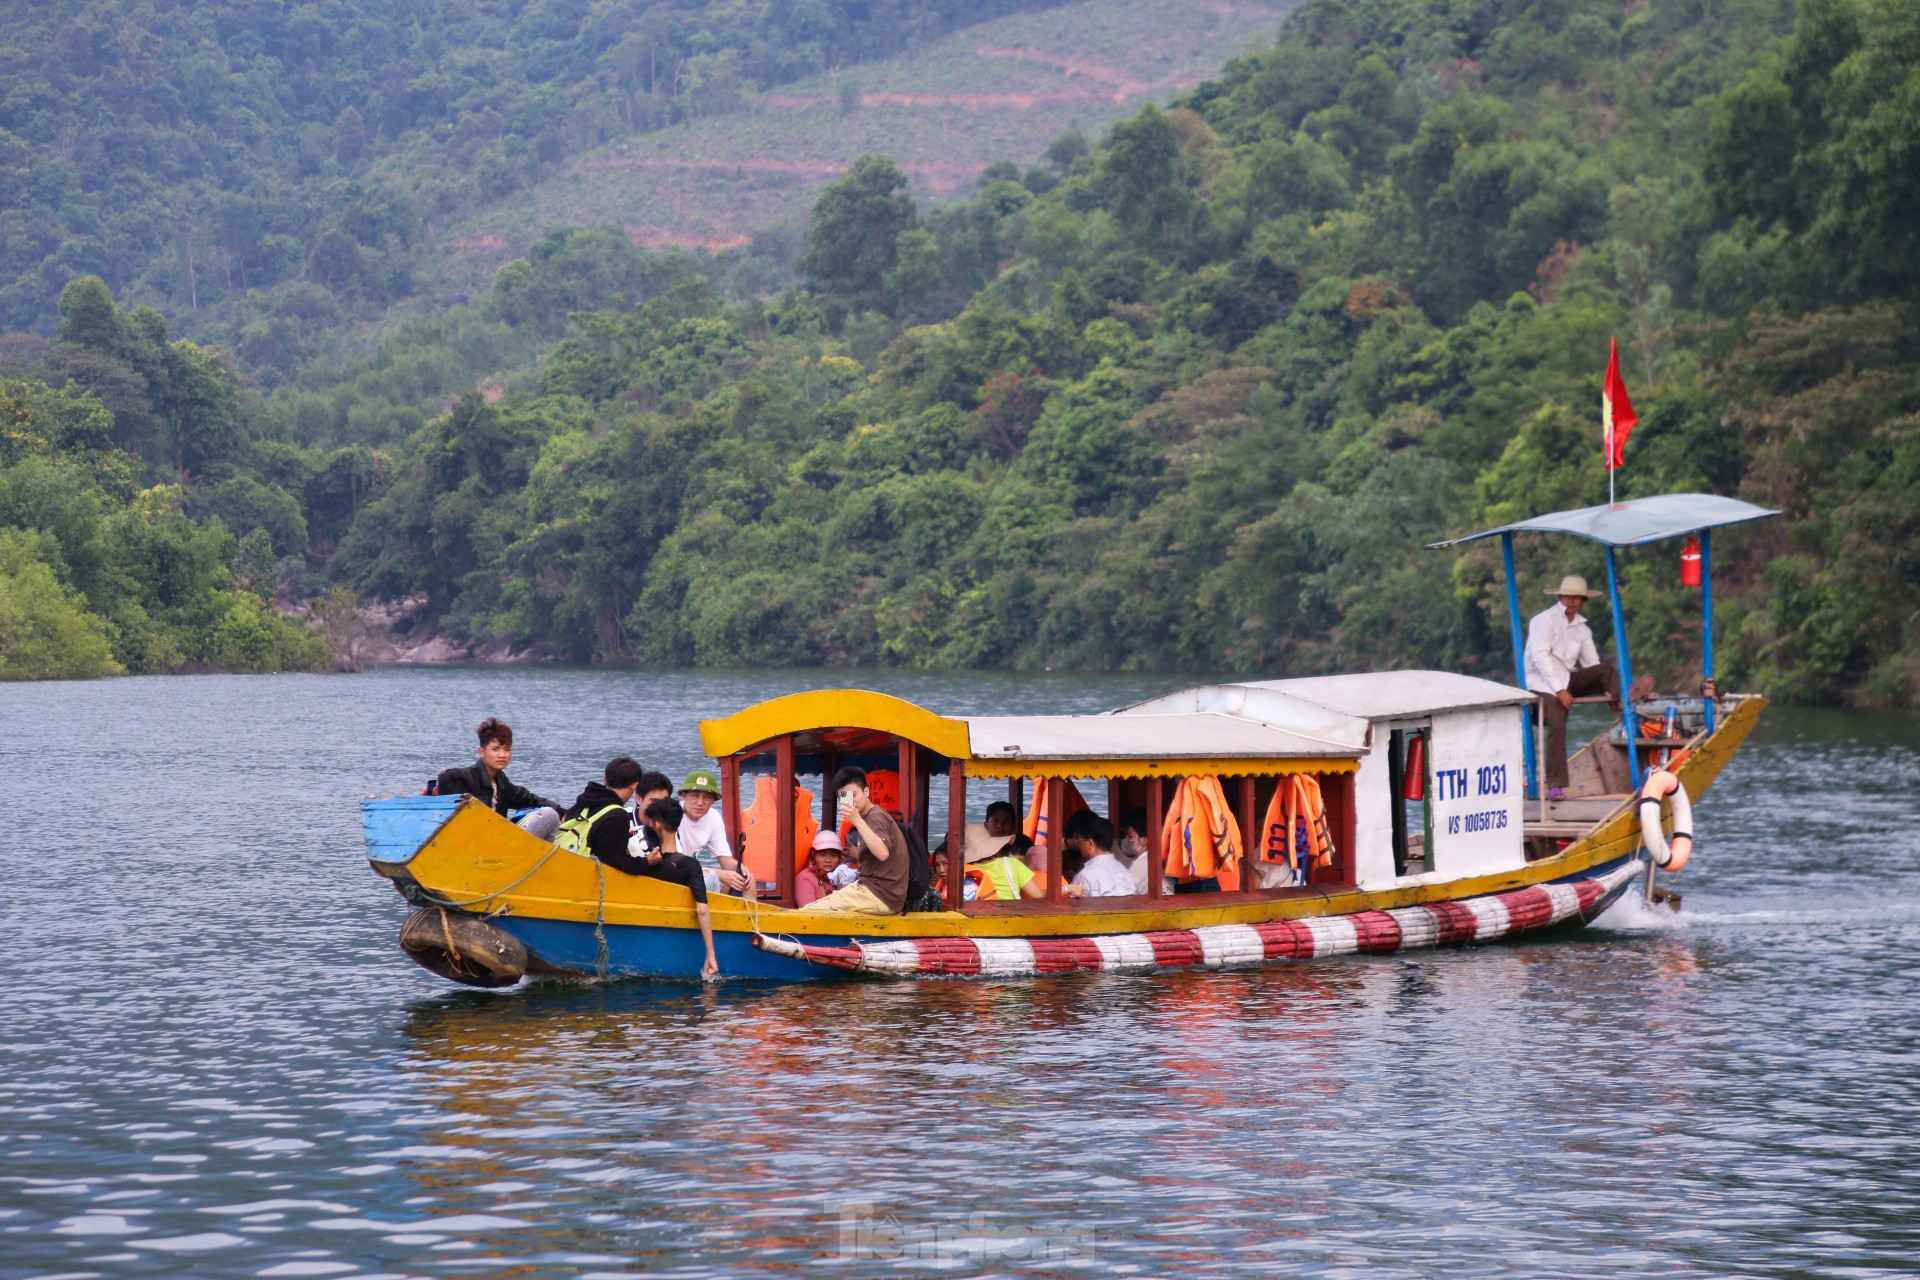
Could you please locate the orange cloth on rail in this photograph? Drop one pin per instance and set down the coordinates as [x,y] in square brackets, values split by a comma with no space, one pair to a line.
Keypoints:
[1296,826]
[759,824]
[1036,826]
[1200,837]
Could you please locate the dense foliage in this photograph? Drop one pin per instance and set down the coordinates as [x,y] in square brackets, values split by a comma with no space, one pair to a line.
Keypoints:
[121,493]
[1195,396]
[266,171]
[1218,385]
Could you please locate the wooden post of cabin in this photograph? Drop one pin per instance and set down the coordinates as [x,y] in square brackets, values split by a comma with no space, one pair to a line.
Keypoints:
[1017,797]
[1056,803]
[909,764]
[1249,824]
[829,806]
[956,835]
[923,795]
[783,816]
[1156,820]
[730,803]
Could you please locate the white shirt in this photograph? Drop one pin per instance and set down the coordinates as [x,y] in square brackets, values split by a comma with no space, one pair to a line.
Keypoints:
[1557,647]
[1104,877]
[705,838]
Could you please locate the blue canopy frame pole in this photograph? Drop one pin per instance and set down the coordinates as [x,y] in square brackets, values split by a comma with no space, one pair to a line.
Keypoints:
[1627,717]
[1711,689]
[1519,659]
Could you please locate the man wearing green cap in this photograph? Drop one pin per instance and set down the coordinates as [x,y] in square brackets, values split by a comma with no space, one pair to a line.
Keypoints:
[703,832]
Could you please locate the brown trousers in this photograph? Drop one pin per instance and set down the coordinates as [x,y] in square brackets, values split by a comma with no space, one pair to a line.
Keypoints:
[1584,683]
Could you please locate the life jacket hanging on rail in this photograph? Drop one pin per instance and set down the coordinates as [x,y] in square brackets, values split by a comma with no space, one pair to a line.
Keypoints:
[760,822]
[1297,834]
[1038,820]
[1200,837]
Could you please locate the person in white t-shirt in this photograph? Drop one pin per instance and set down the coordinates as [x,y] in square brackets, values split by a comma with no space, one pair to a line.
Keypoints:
[1103,876]
[1562,664]
[703,835]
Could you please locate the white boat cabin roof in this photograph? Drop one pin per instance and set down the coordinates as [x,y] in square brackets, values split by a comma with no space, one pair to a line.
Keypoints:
[1174,736]
[1333,705]
[1324,722]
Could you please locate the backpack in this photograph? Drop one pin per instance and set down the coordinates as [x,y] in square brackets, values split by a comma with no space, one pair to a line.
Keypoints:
[920,895]
[572,835]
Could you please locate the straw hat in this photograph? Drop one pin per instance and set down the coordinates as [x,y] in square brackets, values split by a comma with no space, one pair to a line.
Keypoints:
[980,846]
[1572,585]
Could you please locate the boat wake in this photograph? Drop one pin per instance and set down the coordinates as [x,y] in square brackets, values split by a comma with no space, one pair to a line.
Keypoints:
[1632,913]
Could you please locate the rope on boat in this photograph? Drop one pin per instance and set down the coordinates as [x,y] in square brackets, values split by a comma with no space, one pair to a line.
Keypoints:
[601,967]
[439,901]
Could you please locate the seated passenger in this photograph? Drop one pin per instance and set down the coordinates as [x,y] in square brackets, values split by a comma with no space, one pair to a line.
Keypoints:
[662,819]
[1102,876]
[813,881]
[1007,876]
[487,780]
[849,869]
[881,889]
[652,786]
[703,835]
[1134,852]
[597,823]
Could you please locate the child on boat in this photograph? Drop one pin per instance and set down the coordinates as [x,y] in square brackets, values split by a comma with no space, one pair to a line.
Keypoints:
[814,881]
[885,859]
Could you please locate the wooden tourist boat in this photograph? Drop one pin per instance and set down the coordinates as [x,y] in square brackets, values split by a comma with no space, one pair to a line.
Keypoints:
[1438,832]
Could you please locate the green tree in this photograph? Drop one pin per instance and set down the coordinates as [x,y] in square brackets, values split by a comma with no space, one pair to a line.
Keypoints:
[857,222]
[46,632]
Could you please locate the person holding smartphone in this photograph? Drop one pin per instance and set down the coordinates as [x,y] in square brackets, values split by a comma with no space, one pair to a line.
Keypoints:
[881,889]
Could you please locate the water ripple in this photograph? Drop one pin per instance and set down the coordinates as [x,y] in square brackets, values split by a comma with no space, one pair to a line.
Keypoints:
[216,1063]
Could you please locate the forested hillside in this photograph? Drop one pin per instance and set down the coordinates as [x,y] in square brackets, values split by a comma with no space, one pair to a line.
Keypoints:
[1230,373]
[268,172]
[1194,393]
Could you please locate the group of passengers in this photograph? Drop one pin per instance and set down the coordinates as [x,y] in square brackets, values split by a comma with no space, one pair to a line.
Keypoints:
[998,857]
[632,820]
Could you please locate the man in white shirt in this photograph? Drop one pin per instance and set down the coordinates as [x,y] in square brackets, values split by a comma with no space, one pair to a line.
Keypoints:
[1103,876]
[1562,665]
[703,834]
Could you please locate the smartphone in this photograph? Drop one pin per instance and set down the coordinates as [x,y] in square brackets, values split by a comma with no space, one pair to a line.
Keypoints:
[846,802]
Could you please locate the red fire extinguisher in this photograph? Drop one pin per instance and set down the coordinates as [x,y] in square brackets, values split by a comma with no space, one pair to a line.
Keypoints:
[1690,563]
[1414,787]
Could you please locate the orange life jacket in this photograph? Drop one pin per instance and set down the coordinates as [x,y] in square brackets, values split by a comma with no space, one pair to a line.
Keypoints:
[1296,827]
[1199,837]
[1036,826]
[759,823]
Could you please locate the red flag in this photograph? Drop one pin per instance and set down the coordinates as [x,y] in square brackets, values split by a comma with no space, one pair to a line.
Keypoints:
[1616,411]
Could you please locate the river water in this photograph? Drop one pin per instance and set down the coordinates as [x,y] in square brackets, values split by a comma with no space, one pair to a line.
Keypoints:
[217,1063]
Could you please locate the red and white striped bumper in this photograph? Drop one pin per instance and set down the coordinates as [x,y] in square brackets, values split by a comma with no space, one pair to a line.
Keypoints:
[1441,924]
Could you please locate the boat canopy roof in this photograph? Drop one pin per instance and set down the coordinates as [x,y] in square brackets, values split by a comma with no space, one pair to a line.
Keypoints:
[1636,521]
[1320,725]
[1351,699]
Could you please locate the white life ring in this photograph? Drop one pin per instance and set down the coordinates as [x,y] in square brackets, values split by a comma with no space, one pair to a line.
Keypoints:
[1662,785]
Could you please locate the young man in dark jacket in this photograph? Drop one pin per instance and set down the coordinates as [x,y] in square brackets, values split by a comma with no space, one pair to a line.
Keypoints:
[486,778]
[603,807]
